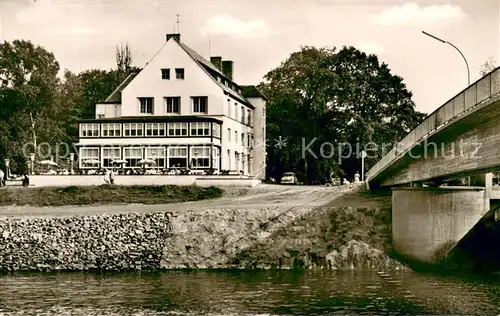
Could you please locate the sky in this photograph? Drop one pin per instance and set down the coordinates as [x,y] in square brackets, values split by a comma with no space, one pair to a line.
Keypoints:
[259,35]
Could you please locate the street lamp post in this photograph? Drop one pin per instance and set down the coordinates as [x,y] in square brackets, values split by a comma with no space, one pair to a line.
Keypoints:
[363,156]
[446,42]
[466,64]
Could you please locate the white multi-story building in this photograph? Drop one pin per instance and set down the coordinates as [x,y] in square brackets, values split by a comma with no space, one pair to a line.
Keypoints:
[180,110]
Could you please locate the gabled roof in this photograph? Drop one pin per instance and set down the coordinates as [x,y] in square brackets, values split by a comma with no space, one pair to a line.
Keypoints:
[116,95]
[203,62]
[252,92]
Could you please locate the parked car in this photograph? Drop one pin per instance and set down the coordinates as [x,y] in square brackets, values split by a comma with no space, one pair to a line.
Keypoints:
[289,178]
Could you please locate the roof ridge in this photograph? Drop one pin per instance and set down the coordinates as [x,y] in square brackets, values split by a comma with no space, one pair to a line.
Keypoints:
[121,86]
[201,61]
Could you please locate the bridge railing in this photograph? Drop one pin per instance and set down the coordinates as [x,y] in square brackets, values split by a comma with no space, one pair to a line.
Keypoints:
[459,105]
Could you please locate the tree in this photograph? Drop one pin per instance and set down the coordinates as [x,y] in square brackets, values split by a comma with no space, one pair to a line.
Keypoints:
[338,100]
[95,85]
[123,61]
[487,67]
[28,96]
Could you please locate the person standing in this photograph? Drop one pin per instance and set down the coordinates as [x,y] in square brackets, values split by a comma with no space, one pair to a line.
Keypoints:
[356,177]
[2,178]
[26,181]
[106,177]
[112,176]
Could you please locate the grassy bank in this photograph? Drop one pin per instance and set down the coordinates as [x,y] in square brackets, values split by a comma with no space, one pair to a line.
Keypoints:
[105,194]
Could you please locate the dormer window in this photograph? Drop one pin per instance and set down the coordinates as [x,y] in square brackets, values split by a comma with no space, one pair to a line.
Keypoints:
[165,74]
[219,79]
[179,73]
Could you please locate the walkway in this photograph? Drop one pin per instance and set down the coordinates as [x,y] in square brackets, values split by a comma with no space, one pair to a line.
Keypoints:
[259,197]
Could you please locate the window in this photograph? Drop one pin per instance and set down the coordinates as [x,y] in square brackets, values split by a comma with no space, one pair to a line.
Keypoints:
[236,137]
[109,154]
[229,107]
[229,159]
[155,129]
[248,140]
[111,130]
[242,114]
[132,155]
[216,130]
[132,129]
[249,117]
[215,157]
[177,129]
[200,157]
[89,157]
[229,135]
[200,129]
[235,110]
[165,74]
[146,105]
[242,139]
[172,105]
[177,157]
[200,104]
[89,130]
[157,154]
[249,165]
[252,142]
[179,73]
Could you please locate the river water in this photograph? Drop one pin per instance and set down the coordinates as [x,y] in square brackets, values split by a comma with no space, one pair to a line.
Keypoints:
[248,293]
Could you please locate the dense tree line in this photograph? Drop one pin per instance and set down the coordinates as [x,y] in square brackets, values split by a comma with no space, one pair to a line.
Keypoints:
[324,104]
[37,106]
[329,105]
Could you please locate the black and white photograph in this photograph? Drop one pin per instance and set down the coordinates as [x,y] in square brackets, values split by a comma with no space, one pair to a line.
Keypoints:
[249,157]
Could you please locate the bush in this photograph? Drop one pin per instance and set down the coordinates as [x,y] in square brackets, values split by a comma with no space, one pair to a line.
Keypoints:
[106,194]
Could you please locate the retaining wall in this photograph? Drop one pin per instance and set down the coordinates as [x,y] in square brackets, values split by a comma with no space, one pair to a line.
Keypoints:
[90,180]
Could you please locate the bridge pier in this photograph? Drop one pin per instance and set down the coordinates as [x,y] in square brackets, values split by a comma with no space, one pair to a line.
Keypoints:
[428,221]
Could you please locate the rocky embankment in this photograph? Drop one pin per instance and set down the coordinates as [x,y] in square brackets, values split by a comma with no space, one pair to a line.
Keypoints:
[280,235]
[101,242]
[326,238]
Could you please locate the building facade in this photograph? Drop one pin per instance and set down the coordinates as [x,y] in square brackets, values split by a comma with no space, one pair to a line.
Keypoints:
[181,111]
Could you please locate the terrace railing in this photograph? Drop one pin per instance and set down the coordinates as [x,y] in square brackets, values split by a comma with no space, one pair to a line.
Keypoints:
[474,95]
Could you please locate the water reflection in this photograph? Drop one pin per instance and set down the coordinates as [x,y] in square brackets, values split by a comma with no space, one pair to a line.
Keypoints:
[248,292]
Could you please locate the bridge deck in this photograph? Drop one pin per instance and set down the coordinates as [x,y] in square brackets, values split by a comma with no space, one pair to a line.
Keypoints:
[473,106]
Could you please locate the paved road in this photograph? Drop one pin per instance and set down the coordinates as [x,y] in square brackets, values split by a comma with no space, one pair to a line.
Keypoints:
[262,196]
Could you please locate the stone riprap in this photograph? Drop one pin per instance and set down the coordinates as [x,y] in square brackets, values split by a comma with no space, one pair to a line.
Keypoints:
[301,237]
[211,238]
[272,237]
[117,242]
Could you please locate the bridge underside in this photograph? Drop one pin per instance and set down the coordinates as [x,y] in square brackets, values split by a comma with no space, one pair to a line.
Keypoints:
[467,146]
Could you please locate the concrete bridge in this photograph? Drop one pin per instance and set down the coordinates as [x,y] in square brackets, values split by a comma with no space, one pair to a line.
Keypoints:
[441,173]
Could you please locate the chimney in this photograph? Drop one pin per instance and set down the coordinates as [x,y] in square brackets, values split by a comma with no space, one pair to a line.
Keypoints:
[227,68]
[217,61]
[177,36]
